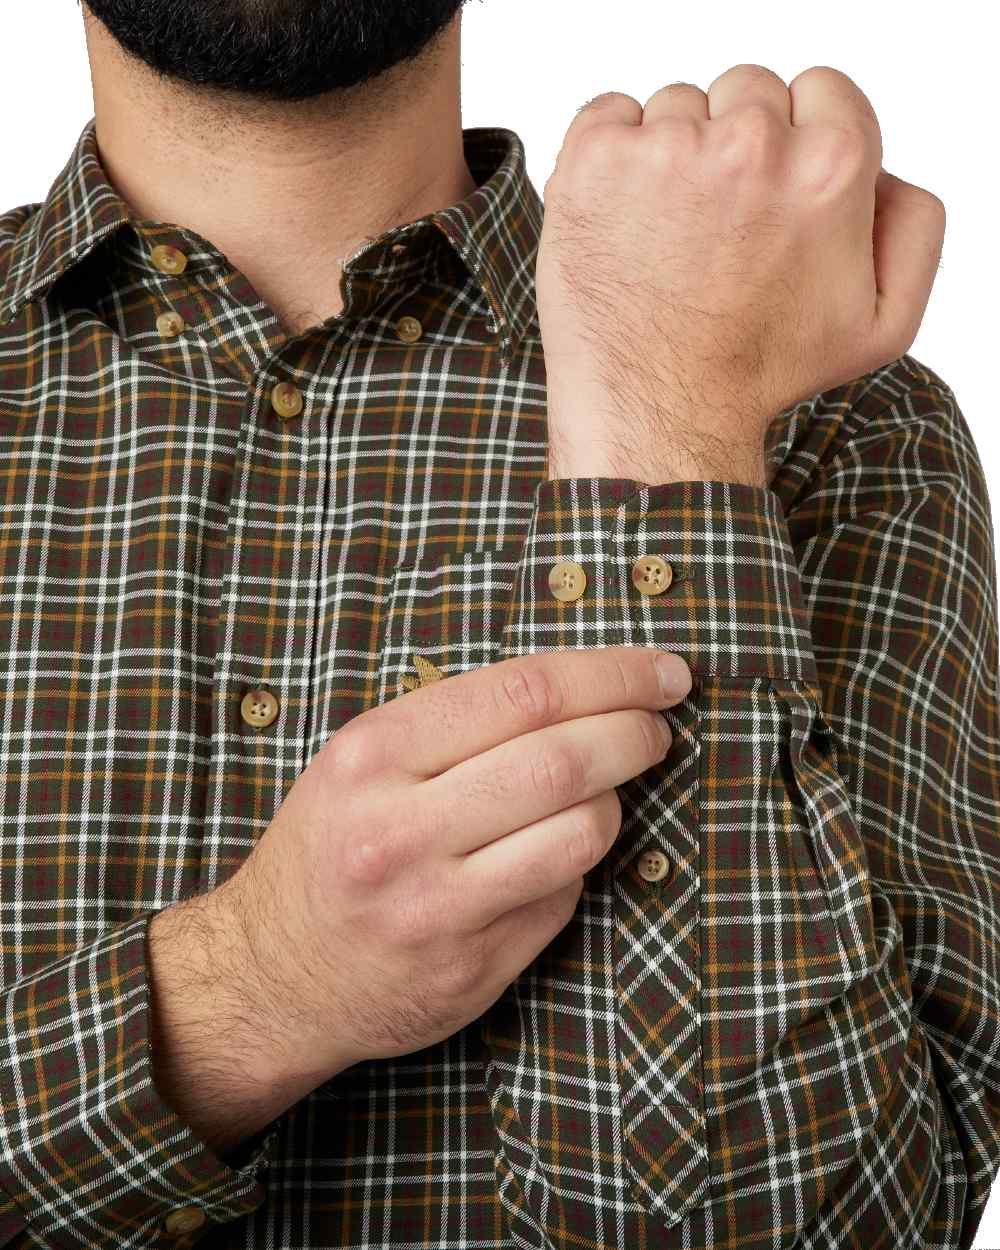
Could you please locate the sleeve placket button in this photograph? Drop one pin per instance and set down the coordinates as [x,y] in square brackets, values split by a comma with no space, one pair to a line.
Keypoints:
[651,575]
[567,580]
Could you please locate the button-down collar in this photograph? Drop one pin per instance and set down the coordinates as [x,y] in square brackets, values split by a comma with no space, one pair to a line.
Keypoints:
[494,229]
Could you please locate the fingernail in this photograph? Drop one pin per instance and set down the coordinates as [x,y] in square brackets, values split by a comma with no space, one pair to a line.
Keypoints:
[674,674]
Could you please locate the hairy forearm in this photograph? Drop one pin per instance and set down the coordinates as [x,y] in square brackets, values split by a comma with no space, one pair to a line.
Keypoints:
[222,1057]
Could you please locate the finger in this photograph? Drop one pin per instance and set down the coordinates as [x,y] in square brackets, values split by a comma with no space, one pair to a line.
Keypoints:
[823,96]
[428,730]
[908,236]
[530,777]
[522,934]
[749,84]
[676,99]
[610,107]
[539,859]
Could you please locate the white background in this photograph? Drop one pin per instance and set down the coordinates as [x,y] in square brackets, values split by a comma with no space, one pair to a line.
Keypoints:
[928,69]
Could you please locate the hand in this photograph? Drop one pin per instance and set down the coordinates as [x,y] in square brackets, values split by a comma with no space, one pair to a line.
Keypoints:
[711,259]
[435,844]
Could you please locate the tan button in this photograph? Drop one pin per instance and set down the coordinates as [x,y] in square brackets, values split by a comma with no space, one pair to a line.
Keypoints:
[286,399]
[652,865]
[184,1220]
[168,259]
[651,575]
[567,580]
[259,708]
[399,247]
[169,324]
[409,329]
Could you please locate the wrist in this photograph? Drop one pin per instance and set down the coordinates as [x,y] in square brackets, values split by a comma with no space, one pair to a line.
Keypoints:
[221,1053]
[274,982]
[746,467]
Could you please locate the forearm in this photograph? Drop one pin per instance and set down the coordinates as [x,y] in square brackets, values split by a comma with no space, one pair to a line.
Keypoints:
[222,1056]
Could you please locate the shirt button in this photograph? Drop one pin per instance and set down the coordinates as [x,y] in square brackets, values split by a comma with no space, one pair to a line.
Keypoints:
[184,1220]
[169,324]
[652,865]
[398,247]
[409,329]
[286,399]
[168,259]
[259,708]
[567,580]
[651,575]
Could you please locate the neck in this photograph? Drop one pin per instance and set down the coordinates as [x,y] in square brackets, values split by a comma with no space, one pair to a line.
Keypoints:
[285,190]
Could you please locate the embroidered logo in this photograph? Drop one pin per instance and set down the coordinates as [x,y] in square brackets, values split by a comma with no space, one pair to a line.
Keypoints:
[426,671]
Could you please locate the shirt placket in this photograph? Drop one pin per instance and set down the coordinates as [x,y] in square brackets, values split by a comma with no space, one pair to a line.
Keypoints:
[267,614]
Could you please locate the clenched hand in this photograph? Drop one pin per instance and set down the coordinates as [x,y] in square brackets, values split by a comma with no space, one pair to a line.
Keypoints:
[713,258]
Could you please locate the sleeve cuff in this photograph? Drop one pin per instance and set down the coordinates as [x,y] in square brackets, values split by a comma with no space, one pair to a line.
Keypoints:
[91,1154]
[733,601]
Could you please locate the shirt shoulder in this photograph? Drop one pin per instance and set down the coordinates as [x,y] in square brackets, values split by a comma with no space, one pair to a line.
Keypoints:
[867,427]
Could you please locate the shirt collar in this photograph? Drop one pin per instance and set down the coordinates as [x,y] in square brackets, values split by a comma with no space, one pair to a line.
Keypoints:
[495,229]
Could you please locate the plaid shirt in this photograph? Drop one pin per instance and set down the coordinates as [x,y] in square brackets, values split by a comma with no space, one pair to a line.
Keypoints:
[792,1039]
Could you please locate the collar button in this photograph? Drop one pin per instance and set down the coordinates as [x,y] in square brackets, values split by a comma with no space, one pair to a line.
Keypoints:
[409,329]
[168,259]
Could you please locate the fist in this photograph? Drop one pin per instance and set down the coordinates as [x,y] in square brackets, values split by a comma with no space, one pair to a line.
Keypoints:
[713,258]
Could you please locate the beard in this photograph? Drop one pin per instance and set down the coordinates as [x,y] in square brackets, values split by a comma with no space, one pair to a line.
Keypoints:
[274,49]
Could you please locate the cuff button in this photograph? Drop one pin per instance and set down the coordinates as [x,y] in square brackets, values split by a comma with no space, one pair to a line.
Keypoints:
[651,575]
[567,580]
[184,1220]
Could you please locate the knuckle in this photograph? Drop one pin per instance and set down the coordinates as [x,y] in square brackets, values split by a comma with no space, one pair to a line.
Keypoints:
[754,123]
[558,774]
[835,156]
[601,145]
[531,692]
[754,72]
[824,71]
[604,98]
[369,858]
[357,750]
[621,671]
[750,137]
[676,137]
[585,843]
[848,148]
[648,728]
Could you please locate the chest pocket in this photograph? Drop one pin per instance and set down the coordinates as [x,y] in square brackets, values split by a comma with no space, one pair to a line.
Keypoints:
[444,615]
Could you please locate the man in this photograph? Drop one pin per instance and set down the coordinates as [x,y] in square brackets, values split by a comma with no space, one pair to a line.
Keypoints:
[362,883]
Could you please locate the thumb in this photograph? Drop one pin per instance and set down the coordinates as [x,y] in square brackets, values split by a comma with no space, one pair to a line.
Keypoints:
[907,237]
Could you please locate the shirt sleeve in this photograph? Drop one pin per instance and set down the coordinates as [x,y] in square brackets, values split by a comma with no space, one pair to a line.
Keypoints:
[823,1052]
[90,1154]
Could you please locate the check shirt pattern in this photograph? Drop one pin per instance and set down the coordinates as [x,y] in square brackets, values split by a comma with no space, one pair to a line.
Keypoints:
[791,1040]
